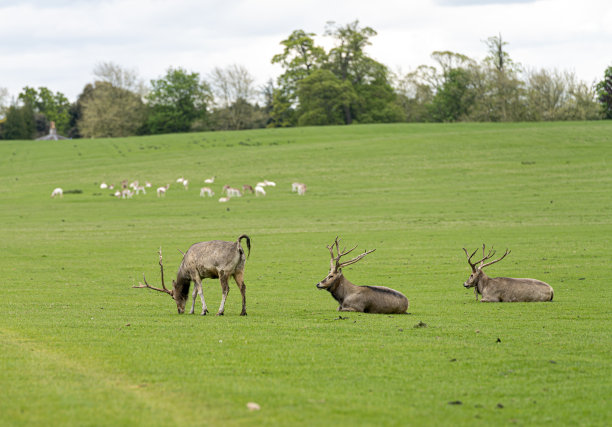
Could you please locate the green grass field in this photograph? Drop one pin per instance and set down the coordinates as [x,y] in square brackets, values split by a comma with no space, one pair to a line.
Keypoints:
[80,346]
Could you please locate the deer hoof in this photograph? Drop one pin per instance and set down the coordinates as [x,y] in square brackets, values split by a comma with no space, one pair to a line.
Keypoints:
[220,313]
[243,313]
[204,313]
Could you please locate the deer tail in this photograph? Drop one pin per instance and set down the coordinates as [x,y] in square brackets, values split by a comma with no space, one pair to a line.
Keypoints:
[248,241]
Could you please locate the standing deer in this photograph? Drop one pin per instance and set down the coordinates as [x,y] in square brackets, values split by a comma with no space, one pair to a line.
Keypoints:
[365,299]
[503,289]
[216,259]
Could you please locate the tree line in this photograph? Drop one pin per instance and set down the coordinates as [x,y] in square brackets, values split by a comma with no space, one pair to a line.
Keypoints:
[342,85]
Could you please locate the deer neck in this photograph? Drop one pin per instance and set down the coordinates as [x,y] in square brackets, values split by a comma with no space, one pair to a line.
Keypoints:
[483,282]
[341,288]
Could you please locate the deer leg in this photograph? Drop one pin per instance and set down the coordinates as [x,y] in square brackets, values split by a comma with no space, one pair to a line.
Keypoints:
[239,278]
[223,278]
[200,291]
[195,292]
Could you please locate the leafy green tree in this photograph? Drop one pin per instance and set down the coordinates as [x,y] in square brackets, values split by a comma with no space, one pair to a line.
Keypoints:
[19,123]
[323,98]
[48,107]
[348,61]
[376,101]
[110,111]
[604,93]
[178,102]
[453,100]
[300,58]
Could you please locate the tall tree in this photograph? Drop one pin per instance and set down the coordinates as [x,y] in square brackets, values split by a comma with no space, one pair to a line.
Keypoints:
[109,111]
[112,106]
[19,123]
[604,93]
[47,107]
[347,59]
[178,102]
[234,91]
[300,58]
[119,77]
[503,90]
[323,98]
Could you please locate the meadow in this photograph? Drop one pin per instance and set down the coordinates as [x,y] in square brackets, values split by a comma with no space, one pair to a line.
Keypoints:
[80,346]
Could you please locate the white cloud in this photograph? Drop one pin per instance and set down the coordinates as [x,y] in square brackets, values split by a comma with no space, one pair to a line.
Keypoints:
[56,43]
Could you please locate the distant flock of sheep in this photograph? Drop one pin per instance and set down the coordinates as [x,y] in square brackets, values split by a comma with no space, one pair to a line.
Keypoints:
[129,190]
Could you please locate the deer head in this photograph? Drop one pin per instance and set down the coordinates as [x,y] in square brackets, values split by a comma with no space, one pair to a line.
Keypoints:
[179,297]
[477,272]
[335,268]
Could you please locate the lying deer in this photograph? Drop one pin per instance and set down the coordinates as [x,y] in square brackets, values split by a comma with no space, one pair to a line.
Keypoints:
[503,289]
[366,299]
[215,260]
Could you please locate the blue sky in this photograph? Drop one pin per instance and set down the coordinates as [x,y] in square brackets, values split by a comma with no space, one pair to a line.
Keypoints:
[57,43]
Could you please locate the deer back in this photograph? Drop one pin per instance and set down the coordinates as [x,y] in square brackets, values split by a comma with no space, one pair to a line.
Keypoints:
[507,289]
[208,259]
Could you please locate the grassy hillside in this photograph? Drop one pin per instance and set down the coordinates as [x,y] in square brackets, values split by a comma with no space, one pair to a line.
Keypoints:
[80,346]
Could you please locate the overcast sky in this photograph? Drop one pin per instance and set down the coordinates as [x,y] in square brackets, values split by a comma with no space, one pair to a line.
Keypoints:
[57,43]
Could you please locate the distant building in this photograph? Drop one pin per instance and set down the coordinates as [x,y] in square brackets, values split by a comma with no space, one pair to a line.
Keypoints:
[52,134]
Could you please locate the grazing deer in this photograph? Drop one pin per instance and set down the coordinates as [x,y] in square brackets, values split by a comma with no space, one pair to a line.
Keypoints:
[247,187]
[206,191]
[365,299]
[301,190]
[161,191]
[186,184]
[57,192]
[259,190]
[294,186]
[503,289]
[216,259]
[231,192]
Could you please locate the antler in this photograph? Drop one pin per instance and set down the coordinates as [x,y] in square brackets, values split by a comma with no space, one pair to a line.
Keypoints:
[146,285]
[497,260]
[335,260]
[484,258]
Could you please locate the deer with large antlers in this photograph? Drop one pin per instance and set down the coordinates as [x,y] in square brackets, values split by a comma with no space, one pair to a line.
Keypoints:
[206,260]
[503,289]
[365,299]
